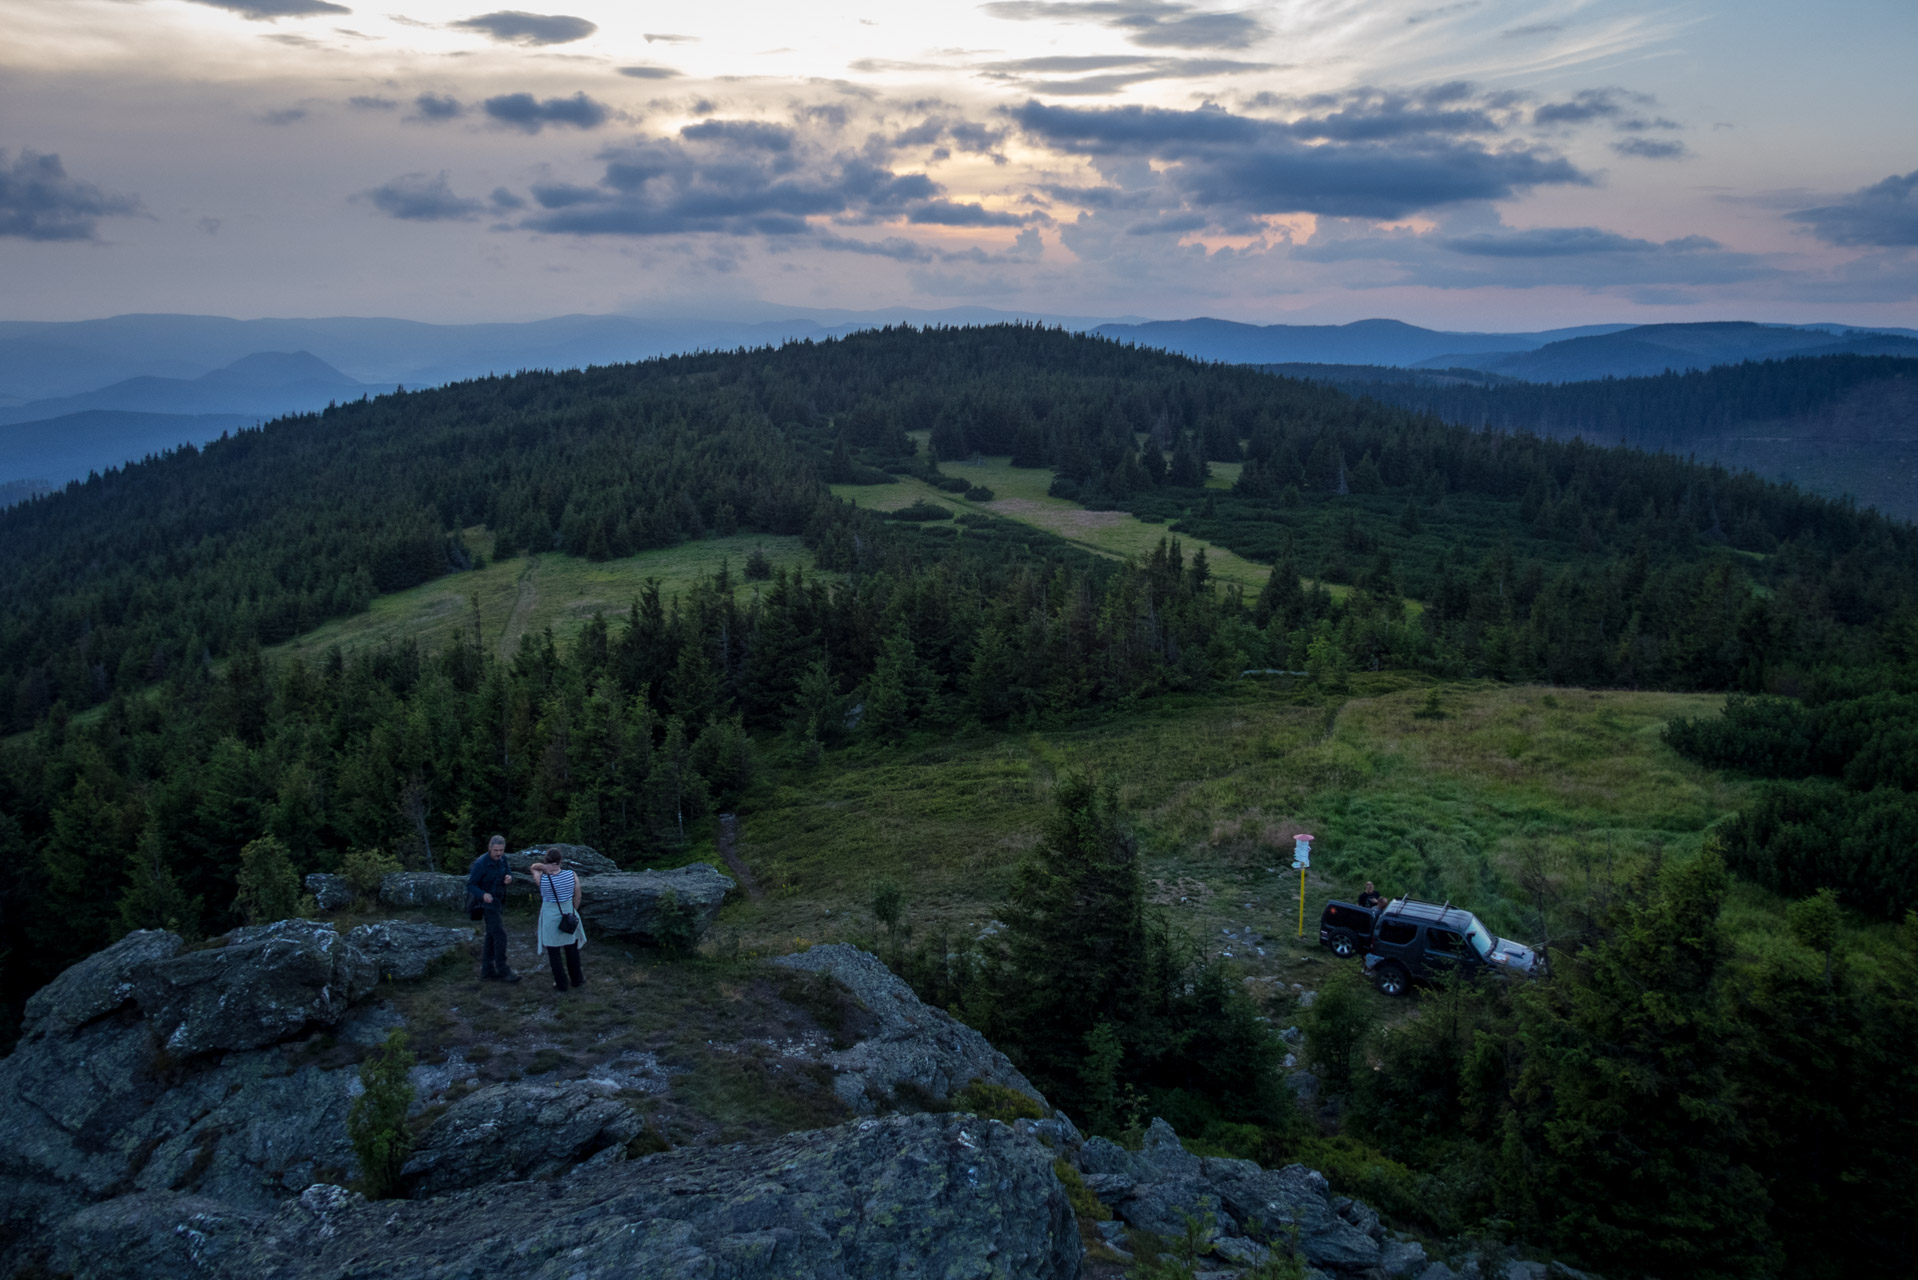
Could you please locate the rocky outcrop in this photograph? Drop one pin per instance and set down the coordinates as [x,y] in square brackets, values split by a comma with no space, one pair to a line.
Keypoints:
[627,904]
[1157,1187]
[402,950]
[519,1132]
[584,859]
[917,1195]
[330,892]
[265,985]
[423,890]
[916,1054]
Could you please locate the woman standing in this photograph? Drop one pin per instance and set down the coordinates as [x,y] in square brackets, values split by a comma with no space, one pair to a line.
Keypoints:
[561,932]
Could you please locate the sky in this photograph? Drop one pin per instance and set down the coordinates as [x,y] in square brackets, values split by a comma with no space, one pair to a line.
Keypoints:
[1463,164]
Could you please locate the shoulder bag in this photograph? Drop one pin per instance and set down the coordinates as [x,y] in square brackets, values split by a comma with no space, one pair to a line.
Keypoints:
[568,922]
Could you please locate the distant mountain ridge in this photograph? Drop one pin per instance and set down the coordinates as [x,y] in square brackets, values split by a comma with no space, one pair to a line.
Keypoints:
[265,384]
[1651,349]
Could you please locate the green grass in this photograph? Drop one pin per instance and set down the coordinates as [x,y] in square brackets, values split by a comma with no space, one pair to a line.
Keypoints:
[1019,493]
[528,592]
[1453,808]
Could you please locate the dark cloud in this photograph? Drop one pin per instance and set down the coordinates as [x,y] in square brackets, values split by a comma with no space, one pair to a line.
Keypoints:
[421,197]
[39,201]
[1650,149]
[1151,24]
[285,115]
[1883,215]
[1367,114]
[268,10]
[1100,74]
[1178,224]
[512,26]
[433,106]
[367,103]
[1216,159]
[525,112]
[755,134]
[504,199]
[1565,242]
[946,213]
[649,73]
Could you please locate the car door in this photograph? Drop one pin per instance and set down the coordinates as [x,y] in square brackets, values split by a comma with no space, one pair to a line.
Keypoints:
[1444,950]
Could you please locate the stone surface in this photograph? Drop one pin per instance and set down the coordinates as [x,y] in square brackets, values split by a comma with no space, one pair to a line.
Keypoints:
[266,985]
[330,892]
[518,1132]
[1438,1271]
[907,1196]
[97,985]
[584,859]
[625,904]
[916,1053]
[153,1236]
[1402,1258]
[423,890]
[403,950]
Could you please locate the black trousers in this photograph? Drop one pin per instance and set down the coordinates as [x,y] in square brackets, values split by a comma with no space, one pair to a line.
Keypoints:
[569,967]
[493,951]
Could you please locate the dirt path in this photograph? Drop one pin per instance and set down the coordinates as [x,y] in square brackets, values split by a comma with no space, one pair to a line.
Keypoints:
[729,850]
[522,610]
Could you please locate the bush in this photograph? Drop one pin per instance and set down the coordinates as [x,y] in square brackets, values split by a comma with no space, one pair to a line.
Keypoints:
[920,511]
[269,889]
[951,484]
[991,1101]
[979,493]
[363,869]
[1336,1027]
[376,1122]
[758,567]
[677,926]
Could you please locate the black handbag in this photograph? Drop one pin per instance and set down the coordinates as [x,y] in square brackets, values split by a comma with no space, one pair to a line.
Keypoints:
[568,922]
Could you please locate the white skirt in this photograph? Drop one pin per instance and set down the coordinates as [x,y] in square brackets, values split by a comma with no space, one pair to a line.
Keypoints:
[549,934]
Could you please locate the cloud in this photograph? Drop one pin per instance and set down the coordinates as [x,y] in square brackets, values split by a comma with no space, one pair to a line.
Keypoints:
[1533,29]
[513,26]
[1366,114]
[432,106]
[525,112]
[755,134]
[1884,215]
[1101,74]
[661,37]
[1151,24]
[367,102]
[38,201]
[1217,160]
[1650,149]
[946,213]
[285,115]
[504,199]
[649,73]
[269,10]
[420,197]
[1565,242]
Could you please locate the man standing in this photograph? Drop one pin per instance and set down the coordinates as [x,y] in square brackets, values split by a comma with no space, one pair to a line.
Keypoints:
[485,885]
[1371,899]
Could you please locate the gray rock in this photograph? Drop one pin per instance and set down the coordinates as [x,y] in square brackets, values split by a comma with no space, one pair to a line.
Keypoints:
[423,890]
[403,949]
[1399,1258]
[1241,1252]
[1361,1215]
[153,1236]
[1108,1187]
[330,892]
[1305,1085]
[916,1050]
[625,904]
[584,859]
[922,1195]
[97,985]
[1527,1271]
[1438,1271]
[1265,1203]
[267,984]
[518,1132]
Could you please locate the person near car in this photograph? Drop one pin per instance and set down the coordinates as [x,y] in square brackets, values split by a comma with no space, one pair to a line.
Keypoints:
[486,888]
[1371,899]
[559,897]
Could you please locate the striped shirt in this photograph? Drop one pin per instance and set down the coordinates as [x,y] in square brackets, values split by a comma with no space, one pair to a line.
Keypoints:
[559,888]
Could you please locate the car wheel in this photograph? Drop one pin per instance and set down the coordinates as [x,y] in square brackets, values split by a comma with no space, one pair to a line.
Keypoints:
[1342,947]
[1393,980]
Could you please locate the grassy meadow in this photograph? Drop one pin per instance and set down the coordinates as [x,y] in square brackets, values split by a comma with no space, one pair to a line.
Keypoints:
[1564,783]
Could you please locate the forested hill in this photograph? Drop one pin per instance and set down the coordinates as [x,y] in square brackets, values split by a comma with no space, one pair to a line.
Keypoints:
[1534,557]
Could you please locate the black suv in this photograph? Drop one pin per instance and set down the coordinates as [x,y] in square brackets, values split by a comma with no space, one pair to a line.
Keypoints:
[1414,940]
[1346,927]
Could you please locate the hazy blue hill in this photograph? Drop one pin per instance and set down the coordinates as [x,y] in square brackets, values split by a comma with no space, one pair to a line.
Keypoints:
[1389,342]
[264,384]
[1648,350]
[53,451]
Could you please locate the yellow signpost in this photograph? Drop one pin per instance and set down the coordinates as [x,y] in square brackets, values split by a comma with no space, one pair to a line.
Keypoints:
[1301,859]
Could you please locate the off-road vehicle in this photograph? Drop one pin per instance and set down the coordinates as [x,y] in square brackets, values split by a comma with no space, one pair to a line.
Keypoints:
[1345,928]
[1416,941]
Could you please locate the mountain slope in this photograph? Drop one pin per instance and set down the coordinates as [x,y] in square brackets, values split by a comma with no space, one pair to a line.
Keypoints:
[1648,350]
[261,384]
[52,451]
[1361,342]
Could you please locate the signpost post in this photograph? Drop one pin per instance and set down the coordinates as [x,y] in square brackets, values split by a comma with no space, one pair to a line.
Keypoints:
[1301,860]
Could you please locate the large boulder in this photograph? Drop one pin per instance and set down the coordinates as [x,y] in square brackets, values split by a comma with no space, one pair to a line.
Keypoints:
[330,892]
[519,1132]
[404,949]
[574,857]
[97,985]
[423,890]
[922,1195]
[267,984]
[915,1053]
[627,904]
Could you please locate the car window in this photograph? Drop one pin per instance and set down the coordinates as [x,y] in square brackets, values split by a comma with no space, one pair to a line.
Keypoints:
[1444,941]
[1396,931]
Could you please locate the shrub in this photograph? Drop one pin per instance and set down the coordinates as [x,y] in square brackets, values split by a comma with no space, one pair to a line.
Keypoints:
[376,1122]
[363,869]
[979,493]
[991,1101]
[1078,1194]
[1336,1027]
[758,567]
[676,926]
[269,889]
[920,511]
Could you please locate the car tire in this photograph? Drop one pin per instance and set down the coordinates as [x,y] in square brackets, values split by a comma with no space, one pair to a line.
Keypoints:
[1342,947]
[1393,980]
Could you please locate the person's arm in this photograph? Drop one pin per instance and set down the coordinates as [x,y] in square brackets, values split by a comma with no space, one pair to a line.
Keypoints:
[576,893]
[475,887]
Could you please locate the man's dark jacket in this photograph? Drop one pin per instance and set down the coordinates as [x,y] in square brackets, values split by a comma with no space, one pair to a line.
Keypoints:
[487,876]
